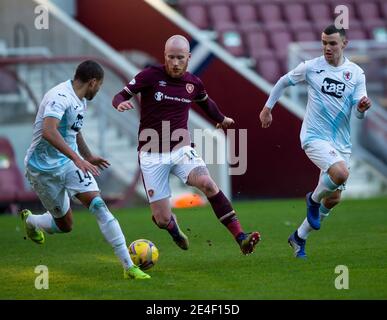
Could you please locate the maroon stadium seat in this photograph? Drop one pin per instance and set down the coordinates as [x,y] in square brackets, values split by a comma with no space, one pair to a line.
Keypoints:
[368,10]
[220,13]
[12,191]
[370,16]
[256,40]
[275,26]
[270,13]
[320,12]
[269,69]
[280,41]
[295,12]
[356,34]
[8,84]
[245,13]
[383,5]
[197,14]
[230,38]
[302,36]
[11,180]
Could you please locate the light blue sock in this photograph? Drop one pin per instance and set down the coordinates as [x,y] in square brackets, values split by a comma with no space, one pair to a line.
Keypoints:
[324,212]
[111,230]
[324,188]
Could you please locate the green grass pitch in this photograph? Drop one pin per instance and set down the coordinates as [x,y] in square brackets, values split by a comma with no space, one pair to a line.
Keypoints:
[82,266]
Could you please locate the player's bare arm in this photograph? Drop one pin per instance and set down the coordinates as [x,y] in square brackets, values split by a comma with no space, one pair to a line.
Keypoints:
[266,117]
[364,104]
[52,135]
[87,155]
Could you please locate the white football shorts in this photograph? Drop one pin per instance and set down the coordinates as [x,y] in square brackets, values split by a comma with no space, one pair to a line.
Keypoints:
[324,155]
[55,189]
[156,167]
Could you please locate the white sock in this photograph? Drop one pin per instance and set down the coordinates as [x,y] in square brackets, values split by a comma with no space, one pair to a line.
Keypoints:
[324,188]
[43,222]
[111,230]
[324,212]
[304,229]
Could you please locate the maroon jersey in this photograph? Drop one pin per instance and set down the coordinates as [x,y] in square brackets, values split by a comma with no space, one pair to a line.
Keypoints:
[166,101]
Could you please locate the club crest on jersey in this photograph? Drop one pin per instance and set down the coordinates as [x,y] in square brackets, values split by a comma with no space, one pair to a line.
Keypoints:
[159,96]
[347,75]
[189,87]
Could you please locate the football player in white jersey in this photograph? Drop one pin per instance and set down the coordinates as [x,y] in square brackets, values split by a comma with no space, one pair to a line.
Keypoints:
[336,88]
[59,164]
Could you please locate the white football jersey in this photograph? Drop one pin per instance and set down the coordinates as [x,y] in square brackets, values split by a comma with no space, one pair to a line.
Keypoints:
[62,103]
[332,93]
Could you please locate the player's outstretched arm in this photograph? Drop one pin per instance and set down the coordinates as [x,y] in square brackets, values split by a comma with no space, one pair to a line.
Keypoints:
[52,135]
[265,116]
[88,156]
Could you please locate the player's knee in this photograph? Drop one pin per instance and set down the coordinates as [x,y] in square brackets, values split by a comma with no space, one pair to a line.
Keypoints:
[341,176]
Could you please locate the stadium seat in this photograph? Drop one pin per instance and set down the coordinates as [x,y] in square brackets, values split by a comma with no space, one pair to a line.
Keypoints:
[12,190]
[280,41]
[197,14]
[319,12]
[245,13]
[295,12]
[256,41]
[370,16]
[303,36]
[220,13]
[269,69]
[356,34]
[383,5]
[230,38]
[270,13]
[8,84]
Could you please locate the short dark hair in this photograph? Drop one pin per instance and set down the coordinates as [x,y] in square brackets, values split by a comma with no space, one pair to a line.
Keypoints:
[332,29]
[88,70]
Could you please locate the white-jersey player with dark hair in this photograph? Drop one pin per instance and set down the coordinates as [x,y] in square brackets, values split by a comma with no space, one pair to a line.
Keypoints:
[59,165]
[336,88]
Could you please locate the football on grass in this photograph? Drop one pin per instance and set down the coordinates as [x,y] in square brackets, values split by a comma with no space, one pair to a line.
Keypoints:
[144,253]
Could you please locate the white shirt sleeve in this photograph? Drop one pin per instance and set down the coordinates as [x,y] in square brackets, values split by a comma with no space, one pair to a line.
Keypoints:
[298,74]
[55,108]
[290,79]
